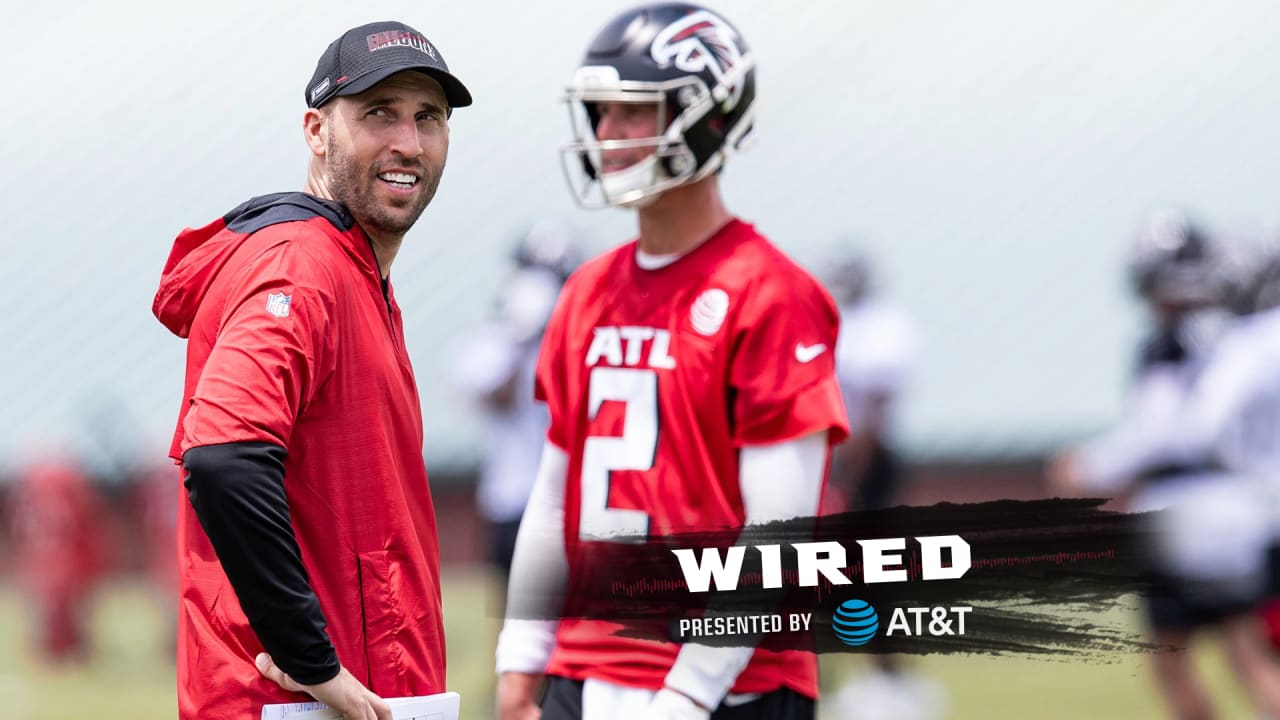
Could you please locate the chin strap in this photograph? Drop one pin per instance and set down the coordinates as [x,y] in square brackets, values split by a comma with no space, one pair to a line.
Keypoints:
[635,182]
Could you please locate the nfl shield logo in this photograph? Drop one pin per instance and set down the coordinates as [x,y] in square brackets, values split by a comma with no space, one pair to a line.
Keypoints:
[278,304]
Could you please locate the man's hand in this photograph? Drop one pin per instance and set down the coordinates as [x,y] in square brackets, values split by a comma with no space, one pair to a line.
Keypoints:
[518,696]
[343,693]
[1063,475]
[666,705]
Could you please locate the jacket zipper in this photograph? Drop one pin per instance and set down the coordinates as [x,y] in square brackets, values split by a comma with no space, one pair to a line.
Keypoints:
[386,294]
[391,320]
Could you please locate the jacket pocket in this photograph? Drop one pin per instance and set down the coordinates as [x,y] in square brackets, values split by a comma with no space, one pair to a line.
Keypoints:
[381,583]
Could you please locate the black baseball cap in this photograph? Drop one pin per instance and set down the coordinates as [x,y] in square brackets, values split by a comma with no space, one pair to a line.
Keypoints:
[365,56]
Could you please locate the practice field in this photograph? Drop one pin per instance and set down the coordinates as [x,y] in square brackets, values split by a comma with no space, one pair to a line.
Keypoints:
[131,677]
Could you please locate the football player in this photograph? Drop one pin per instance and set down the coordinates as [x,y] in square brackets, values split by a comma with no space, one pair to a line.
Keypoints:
[875,357]
[689,375]
[495,368]
[59,554]
[1206,565]
[1234,411]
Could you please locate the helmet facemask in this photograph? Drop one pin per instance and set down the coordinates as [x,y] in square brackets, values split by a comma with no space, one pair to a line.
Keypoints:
[696,140]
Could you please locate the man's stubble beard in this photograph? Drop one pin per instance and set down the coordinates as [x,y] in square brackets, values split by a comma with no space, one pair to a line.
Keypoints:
[355,190]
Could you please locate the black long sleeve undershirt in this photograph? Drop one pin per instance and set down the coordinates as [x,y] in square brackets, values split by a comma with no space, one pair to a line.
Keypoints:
[237,490]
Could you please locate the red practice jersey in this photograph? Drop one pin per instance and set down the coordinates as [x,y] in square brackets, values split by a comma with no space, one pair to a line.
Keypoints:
[292,341]
[654,380]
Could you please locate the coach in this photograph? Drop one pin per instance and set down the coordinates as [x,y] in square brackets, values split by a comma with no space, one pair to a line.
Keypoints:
[309,559]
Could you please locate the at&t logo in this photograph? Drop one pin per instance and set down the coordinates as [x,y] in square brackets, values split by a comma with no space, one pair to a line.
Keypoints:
[855,622]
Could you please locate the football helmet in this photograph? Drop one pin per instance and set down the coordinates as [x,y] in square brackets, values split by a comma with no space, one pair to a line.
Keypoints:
[1264,291]
[1254,273]
[849,276]
[551,245]
[1173,261]
[689,62]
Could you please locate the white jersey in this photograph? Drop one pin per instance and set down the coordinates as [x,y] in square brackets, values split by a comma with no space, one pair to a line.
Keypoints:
[1225,407]
[1236,408]
[875,354]
[1142,442]
[1235,412]
[503,351]
[1194,433]
[513,437]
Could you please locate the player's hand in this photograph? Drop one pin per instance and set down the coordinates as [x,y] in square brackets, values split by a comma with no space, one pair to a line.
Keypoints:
[1063,475]
[343,693]
[666,705]
[518,696]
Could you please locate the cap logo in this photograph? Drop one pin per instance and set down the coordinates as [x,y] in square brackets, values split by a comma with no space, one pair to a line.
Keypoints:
[697,42]
[400,38]
[319,89]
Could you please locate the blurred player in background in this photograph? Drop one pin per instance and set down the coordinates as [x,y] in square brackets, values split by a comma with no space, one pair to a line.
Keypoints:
[158,495]
[495,367]
[1245,381]
[1206,564]
[875,356]
[689,376]
[59,548]
[1234,412]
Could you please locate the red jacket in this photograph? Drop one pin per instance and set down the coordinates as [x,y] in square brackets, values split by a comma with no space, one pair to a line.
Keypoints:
[60,544]
[292,341]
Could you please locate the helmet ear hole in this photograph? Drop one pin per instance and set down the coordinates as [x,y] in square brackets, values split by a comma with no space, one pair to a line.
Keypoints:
[680,164]
[686,97]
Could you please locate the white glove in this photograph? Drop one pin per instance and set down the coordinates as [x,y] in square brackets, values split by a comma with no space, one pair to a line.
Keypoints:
[665,705]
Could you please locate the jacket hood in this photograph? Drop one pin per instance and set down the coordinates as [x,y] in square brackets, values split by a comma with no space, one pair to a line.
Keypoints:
[199,254]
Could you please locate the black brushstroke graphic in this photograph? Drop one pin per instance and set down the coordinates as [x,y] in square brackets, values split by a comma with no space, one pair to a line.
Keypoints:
[1043,575]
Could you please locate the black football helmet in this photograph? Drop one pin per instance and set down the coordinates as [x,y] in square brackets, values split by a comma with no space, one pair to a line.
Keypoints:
[1264,291]
[551,245]
[1254,273]
[849,276]
[695,67]
[1174,261]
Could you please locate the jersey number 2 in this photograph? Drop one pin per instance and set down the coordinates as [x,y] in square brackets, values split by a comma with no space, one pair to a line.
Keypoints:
[633,450]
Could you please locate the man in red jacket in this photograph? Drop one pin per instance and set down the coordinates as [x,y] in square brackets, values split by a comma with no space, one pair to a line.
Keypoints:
[58,533]
[308,555]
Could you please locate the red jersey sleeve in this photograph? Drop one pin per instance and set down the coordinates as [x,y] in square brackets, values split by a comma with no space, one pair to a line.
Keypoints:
[550,382]
[783,366]
[269,356]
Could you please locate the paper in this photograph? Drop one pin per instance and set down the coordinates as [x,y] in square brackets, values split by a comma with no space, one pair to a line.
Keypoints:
[441,706]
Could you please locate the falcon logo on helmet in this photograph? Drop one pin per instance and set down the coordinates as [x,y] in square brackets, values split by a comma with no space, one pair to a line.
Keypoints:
[701,42]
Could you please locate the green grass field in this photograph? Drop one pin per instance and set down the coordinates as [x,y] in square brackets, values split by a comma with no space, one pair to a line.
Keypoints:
[131,676]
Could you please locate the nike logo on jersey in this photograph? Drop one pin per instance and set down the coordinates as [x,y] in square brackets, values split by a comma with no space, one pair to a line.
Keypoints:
[805,353]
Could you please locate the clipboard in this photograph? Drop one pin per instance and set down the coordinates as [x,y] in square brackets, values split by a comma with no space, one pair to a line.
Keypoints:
[441,706]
